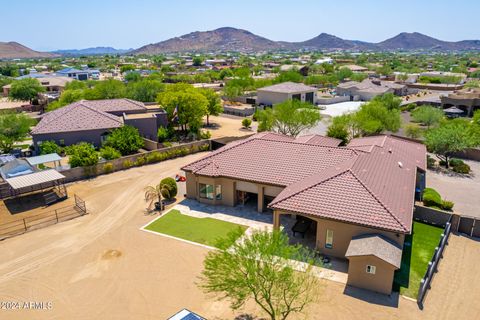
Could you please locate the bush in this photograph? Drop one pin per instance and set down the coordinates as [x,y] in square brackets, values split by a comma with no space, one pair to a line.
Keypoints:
[48,147]
[205,135]
[108,167]
[162,134]
[246,123]
[455,162]
[82,155]
[125,139]
[205,147]
[127,164]
[413,131]
[167,144]
[141,160]
[462,168]
[442,163]
[447,205]
[431,198]
[408,107]
[109,153]
[169,188]
[430,162]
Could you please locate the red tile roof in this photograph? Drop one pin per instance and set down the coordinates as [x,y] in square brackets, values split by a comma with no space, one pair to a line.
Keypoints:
[77,116]
[373,188]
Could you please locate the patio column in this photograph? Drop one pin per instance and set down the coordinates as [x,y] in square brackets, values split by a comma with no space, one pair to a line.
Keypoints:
[260,199]
[276,220]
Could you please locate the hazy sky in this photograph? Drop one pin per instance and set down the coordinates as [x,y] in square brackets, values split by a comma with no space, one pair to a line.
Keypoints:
[55,24]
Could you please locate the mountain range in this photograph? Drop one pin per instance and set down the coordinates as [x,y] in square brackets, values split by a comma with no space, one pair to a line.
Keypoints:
[232,39]
[91,51]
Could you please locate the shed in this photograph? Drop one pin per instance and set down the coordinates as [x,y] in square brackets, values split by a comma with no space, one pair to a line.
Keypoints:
[373,260]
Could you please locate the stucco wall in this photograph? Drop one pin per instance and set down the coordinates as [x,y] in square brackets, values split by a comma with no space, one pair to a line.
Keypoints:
[358,277]
[271,98]
[343,233]
[69,138]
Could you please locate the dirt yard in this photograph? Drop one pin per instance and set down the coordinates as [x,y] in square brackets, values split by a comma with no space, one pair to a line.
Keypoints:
[228,126]
[463,191]
[101,266]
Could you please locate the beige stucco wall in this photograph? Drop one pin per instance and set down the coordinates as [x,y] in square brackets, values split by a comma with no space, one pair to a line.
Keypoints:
[358,277]
[271,98]
[343,233]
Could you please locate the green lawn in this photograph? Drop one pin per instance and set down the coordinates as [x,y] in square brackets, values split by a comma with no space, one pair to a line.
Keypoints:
[201,230]
[417,252]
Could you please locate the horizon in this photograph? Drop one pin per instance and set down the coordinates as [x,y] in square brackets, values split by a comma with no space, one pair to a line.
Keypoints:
[369,21]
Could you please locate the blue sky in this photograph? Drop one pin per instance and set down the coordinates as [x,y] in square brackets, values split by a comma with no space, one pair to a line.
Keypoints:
[55,24]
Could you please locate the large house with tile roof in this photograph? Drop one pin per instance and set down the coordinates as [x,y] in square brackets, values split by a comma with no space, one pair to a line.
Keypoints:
[358,199]
[92,121]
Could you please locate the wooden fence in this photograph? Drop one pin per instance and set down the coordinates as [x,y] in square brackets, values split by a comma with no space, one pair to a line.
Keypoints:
[43,219]
[425,283]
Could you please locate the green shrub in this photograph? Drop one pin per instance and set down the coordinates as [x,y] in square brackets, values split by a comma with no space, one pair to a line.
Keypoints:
[162,134]
[153,157]
[125,139]
[462,168]
[82,155]
[108,167]
[204,147]
[109,153]
[442,163]
[141,160]
[246,123]
[455,162]
[169,188]
[205,135]
[127,164]
[48,147]
[447,205]
[430,162]
[167,144]
[431,198]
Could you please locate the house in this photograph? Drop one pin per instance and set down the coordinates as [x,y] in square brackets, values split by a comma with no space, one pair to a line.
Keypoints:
[467,100]
[358,199]
[281,92]
[74,73]
[92,121]
[51,83]
[368,89]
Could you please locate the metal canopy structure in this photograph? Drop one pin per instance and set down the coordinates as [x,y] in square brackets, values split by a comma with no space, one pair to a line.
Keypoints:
[45,158]
[34,179]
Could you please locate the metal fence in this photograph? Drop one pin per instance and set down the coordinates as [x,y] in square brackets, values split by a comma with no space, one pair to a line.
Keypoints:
[425,283]
[43,219]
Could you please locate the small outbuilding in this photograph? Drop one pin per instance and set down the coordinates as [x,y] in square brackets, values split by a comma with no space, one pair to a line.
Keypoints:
[373,260]
[281,92]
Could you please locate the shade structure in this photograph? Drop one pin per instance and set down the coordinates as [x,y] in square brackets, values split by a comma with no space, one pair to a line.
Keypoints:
[34,179]
[44,158]
[454,110]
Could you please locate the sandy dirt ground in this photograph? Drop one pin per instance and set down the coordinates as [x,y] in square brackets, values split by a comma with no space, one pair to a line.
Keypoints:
[463,191]
[228,126]
[101,266]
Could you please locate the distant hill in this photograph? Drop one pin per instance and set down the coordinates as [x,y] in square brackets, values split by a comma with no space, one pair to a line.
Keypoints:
[231,39]
[417,41]
[91,51]
[14,50]
[222,39]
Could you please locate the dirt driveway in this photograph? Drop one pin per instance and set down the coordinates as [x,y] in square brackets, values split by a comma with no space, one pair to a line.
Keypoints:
[101,266]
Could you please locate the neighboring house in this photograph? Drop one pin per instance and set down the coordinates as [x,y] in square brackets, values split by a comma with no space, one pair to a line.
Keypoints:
[355,68]
[51,83]
[368,89]
[467,100]
[359,199]
[286,91]
[73,73]
[92,120]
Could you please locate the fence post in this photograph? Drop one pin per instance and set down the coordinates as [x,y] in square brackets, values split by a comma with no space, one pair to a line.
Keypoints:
[25,225]
[56,215]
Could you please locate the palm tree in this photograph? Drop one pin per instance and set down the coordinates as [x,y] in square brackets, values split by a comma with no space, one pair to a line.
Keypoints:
[154,194]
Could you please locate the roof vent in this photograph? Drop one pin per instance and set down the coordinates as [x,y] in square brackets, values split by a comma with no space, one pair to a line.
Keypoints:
[390,150]
[400,164]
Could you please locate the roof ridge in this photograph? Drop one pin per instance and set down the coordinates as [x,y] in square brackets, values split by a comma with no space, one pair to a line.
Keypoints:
[378,199]
[66,109]
[103,113]
[304,143]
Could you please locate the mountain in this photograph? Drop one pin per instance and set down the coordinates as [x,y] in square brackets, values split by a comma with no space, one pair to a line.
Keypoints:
[418,41]
[14,50]
[91,51]
[222,39]
[326,41]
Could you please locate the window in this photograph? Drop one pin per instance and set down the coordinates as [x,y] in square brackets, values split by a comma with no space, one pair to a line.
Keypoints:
[218,192]
[206,191]
[371,269]
[329,239]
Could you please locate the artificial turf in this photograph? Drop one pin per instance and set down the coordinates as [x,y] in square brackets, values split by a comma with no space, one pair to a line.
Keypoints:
[418,250]
[206,231]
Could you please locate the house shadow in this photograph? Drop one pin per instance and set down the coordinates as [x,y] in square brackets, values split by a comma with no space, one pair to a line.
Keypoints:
[402,276]
[372,297]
